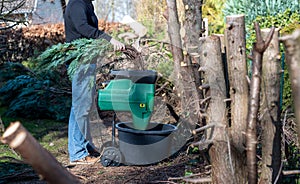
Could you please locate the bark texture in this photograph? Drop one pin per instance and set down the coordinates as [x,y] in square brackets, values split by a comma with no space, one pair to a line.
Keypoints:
[191,32]
[50,170]
[251,138]
[292,48]
[227,163]
[270,110]
[192,28]
[237,71]
[214,74]
[184,78]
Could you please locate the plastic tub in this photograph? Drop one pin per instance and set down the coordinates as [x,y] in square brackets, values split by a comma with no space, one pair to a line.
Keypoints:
[143,147]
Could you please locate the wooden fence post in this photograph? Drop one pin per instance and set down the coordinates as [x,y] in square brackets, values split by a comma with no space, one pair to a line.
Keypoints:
[235,41]
[292,52]
[213,69]
[270,110]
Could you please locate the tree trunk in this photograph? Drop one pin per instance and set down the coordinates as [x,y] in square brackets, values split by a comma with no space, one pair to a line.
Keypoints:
[235,39]
[251,138]
[292,48]
[237,86]
[19,139]
[191,33]
[222,166]
[270,111]
[174,34]
[192,28]
[183,80]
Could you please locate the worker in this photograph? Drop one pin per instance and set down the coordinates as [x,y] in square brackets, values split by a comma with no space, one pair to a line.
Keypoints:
[81,22]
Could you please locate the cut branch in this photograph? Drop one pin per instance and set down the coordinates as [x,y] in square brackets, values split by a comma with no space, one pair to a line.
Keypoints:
[293,172]
[19,139]
[251,139]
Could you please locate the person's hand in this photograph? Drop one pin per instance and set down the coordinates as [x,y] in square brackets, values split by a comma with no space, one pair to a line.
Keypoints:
[117,45]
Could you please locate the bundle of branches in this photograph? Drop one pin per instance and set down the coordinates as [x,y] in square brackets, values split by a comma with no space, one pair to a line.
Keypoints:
[72,55]
[44,90]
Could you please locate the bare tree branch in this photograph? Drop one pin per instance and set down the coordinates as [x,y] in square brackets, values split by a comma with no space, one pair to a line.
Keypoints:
[7,9]
[251,139]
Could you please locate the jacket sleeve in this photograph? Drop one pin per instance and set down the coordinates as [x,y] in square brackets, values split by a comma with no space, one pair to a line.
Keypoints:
[79,19]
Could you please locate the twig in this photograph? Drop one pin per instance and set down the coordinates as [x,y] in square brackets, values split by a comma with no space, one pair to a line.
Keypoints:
[204,128]
[154,40]
[281,165]
[278,175]
[59,91]
[171,182]
[198,180]
[205,99]
[184,177]
[162,87]
[204,86]
[202,143]
[230,158]
[193,180]
[81,177]
[292,172]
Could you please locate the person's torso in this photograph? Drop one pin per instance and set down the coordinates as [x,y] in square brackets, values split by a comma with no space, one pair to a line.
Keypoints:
[70,30]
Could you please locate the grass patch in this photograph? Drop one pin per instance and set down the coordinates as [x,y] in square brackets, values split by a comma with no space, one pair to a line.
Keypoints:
[52,135]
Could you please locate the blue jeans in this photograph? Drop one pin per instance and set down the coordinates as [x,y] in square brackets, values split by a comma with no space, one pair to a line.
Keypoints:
[83,93]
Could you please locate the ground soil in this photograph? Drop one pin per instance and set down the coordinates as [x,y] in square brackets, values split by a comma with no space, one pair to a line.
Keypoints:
[171,170]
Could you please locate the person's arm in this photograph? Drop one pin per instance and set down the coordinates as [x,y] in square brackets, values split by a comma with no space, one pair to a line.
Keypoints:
[79,19]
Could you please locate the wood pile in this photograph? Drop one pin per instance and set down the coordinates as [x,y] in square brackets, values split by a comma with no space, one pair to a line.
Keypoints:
[16,45]
[19,44]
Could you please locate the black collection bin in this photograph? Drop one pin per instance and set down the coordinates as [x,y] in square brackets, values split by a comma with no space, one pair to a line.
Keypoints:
[143,147]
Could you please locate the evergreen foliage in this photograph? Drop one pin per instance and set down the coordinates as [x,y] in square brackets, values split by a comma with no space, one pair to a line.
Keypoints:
[44,91]
[288,22]
[81,51]
[268,13]
[253,8]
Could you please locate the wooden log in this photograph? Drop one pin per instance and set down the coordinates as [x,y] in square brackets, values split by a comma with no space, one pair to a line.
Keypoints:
[235,43]
[270,110]
[219,152]
[292,51]
[50,170]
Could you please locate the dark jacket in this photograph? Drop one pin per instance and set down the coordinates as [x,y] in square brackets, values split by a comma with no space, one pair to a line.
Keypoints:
[81,21]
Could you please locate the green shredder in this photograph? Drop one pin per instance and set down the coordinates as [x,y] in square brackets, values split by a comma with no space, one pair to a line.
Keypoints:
[132,91]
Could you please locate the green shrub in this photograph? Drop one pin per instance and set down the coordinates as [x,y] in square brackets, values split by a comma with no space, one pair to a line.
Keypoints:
[287,21]
[212,10]
[44,91]
[253,8]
